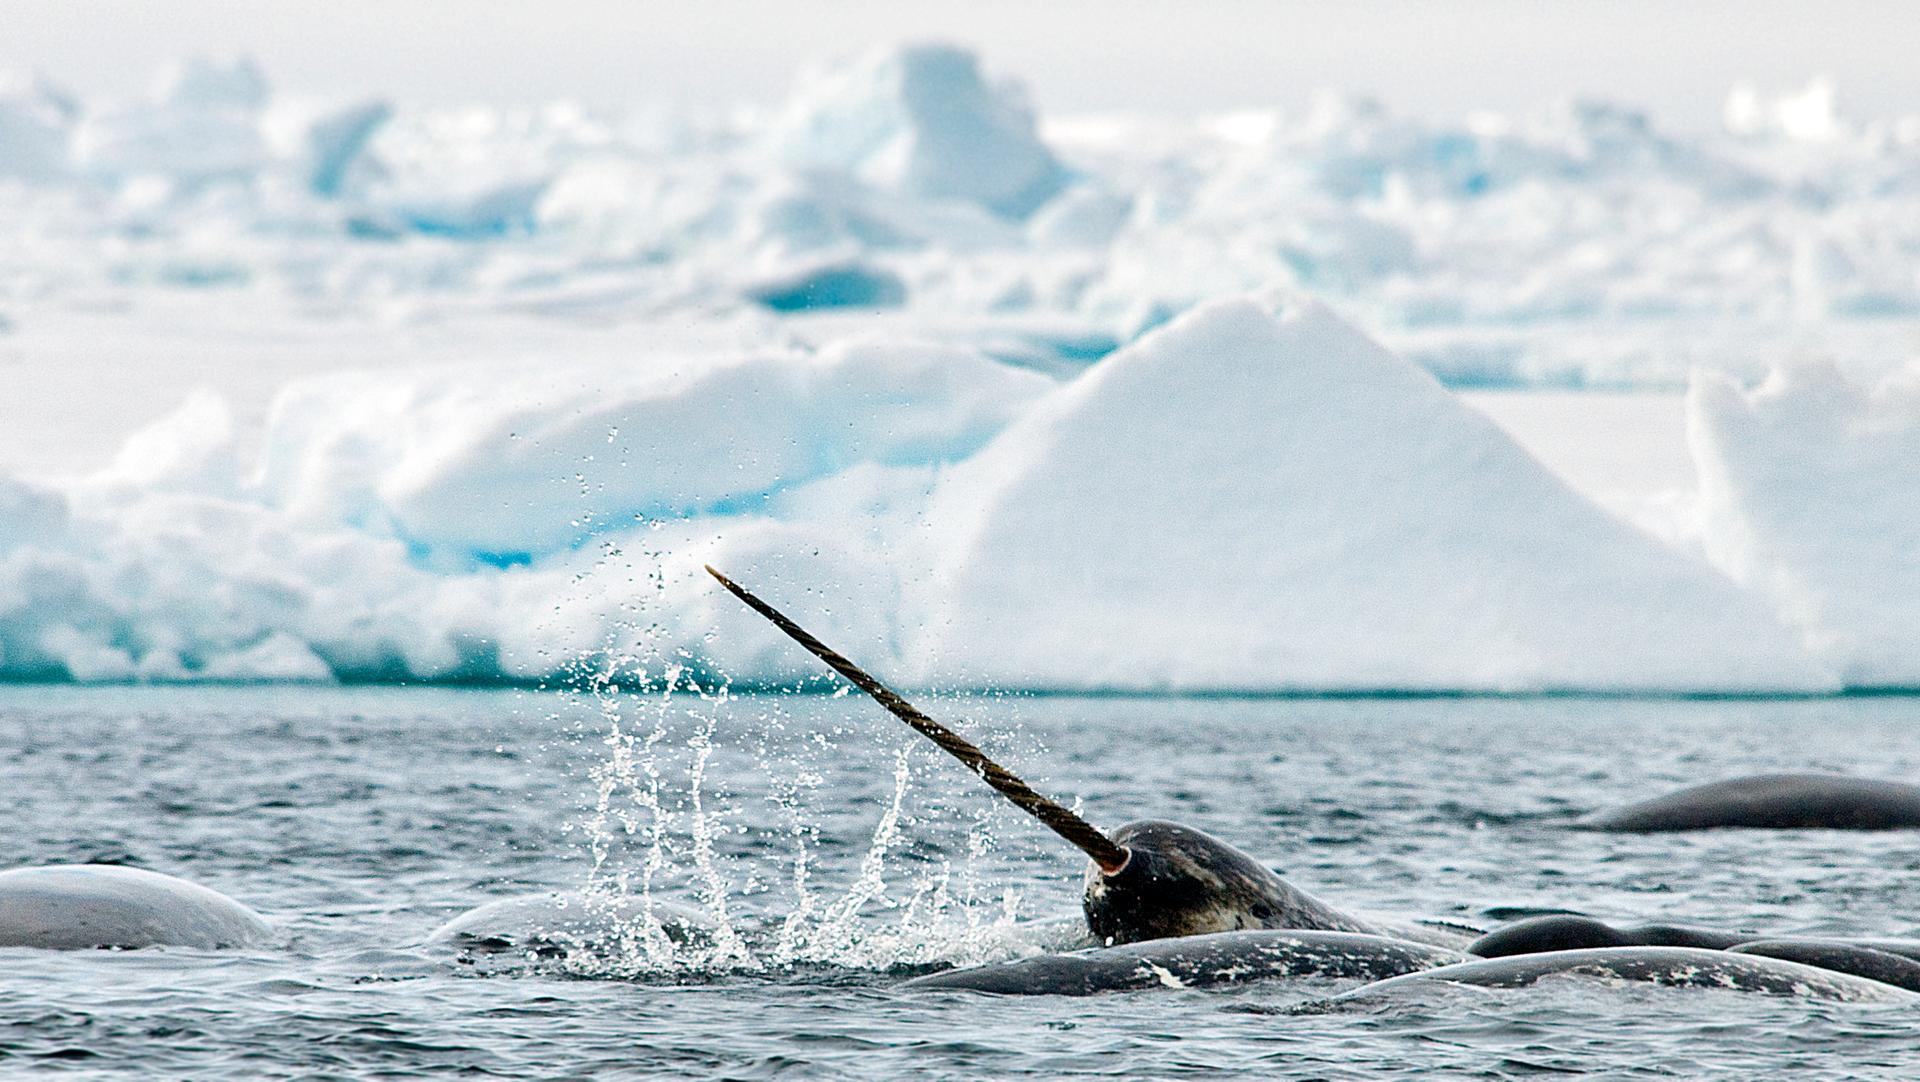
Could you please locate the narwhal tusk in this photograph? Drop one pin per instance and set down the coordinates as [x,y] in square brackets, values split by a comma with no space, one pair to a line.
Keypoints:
[1110,856]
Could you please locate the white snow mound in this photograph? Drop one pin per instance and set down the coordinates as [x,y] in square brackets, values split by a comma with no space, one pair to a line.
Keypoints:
[1811,490]
[1240,501]
[920,120]
[202,124]
[527,463]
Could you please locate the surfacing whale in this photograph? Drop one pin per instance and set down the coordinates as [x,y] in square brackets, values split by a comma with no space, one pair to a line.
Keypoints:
[1566,931]
[1200,961]
[1772,801]
[1894,961]
[1175,906]
[1150,879]
[1841,956]
[83,906]
[558,923]
[1673,967]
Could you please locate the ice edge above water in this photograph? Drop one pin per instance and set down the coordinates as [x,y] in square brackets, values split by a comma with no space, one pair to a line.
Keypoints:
[952,522]
[959,386]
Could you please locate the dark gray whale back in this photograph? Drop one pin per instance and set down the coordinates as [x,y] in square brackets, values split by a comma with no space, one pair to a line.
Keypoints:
[1565,932]
[1773,801]
[1841,957]
[1198,962]
[1678,967]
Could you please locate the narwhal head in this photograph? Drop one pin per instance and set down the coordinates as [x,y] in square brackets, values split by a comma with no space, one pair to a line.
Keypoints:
[1150,879]
[1180,881]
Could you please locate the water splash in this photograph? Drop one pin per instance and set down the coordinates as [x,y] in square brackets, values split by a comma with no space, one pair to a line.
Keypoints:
[697,802]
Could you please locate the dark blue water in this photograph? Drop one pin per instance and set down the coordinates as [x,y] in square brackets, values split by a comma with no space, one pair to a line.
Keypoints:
[359,820]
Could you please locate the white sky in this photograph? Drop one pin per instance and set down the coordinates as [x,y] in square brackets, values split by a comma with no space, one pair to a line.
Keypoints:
[1437,59]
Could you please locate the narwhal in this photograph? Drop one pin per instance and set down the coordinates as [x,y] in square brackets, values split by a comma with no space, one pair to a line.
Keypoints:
[1150,879]
[1175,906]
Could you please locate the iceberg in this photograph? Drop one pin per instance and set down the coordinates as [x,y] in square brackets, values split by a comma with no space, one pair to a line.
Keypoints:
[898,340]
[1236,502]
[1239,501]
[920,120]
[335,144]
[1579,244]
[201,124]
[35,120]
[526,464]
[1810,488]
[848,284]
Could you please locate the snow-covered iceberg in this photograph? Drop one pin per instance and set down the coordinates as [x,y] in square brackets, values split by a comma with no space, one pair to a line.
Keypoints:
[1239,501]
[35,120]
[921,120]
[1580,243]
[1810,485]
[889,273]
[201,124]
[527,464]
[448,524]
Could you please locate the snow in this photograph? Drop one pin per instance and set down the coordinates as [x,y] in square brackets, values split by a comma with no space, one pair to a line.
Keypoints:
[1239,501]
[202,124]
[831,285]
[340,387]
[1811,496]
[432,526]
[334,143]
[34,118]
[530,463]
[920,120]
[1577,244]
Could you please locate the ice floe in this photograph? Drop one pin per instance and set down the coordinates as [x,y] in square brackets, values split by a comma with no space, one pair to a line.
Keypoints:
[974,386]
[1811,492]
[1239,501]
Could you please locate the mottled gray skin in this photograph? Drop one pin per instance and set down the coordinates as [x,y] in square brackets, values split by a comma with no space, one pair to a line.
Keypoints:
[563,922]
[1895,961]
[1197,962]
[1772,801]
[82,906]
[1841,957]
[1905,948]
[1677,967]
[1182,882]
[1565,932]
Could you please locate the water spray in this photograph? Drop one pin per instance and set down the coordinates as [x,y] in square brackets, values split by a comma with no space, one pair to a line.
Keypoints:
[1109,855]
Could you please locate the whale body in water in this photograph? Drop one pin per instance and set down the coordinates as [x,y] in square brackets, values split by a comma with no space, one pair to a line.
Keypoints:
[1567,931]
[1675,967]
[1172,905]
[1198,961]
[1891,961]
[1772,801]
[1150,879]
[1841,956]
[561,922]
[82,906]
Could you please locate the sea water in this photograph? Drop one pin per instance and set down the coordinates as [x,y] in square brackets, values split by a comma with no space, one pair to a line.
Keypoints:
[837,856]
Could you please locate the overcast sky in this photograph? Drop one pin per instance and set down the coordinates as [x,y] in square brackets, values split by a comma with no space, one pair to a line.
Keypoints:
[1436,59]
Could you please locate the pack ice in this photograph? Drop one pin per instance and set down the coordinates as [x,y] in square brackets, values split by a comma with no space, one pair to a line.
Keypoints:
[1810,488]
[1245,502]
[1237,501]
[1577,243]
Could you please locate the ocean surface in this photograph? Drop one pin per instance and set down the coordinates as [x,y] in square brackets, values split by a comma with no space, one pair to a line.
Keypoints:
[843,857]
